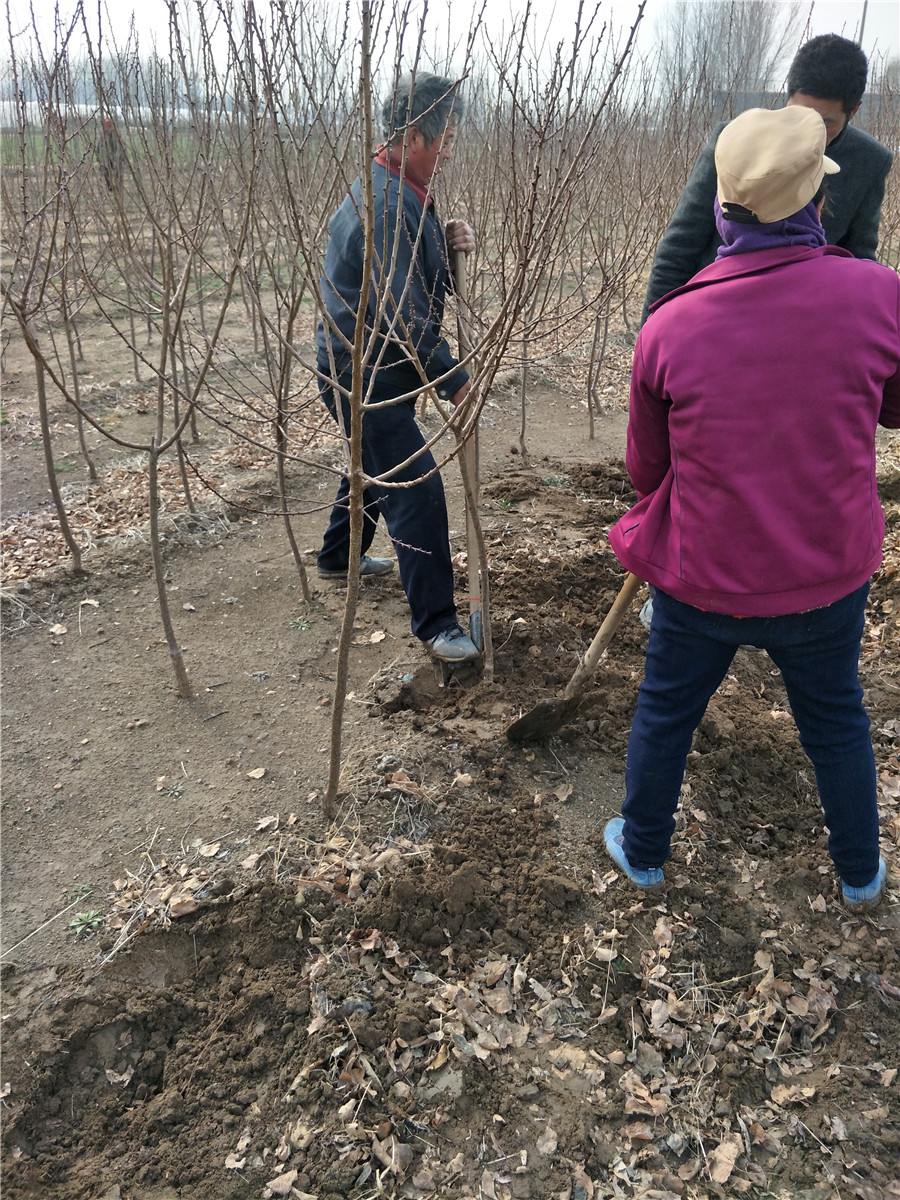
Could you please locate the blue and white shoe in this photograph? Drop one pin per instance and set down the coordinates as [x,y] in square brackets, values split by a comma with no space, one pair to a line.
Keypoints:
[614,840]
[453,645]
[367,567]
[864,899]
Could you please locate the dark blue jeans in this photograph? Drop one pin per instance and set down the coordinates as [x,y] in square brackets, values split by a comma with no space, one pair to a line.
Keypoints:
[817,652]
[416,517]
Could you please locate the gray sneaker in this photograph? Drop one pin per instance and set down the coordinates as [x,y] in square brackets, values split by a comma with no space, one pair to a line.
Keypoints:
[453,645]
[367,566]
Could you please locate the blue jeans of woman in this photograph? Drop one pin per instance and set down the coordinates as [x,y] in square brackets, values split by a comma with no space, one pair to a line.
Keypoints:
[416,517]
[688,654]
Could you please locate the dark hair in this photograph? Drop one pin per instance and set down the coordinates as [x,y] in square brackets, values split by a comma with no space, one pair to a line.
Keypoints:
[830,68]
[823,194]
[429,102]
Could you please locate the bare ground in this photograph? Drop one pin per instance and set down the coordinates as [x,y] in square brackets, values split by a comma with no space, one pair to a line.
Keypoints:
[449,993]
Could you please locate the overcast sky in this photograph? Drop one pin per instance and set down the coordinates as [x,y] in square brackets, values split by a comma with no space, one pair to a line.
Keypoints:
[881,33]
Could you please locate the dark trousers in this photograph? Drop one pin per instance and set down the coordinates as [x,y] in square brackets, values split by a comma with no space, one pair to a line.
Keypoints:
[817,652]
[416,517]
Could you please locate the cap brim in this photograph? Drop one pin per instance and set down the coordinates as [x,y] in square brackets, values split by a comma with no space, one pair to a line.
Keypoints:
[831,167]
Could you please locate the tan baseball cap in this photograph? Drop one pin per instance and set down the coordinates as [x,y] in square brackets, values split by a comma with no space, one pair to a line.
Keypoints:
[771,161]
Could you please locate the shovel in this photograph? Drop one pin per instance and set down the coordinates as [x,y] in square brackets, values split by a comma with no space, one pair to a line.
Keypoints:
[479,615]
[551,715]
[469,467]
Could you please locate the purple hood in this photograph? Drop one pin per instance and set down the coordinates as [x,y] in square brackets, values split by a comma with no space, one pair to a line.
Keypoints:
[803,228]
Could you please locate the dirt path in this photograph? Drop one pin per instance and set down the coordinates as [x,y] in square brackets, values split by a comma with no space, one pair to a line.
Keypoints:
[449,994]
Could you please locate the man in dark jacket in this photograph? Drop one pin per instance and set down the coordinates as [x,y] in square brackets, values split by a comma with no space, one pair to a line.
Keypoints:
[828,74]
[404,352]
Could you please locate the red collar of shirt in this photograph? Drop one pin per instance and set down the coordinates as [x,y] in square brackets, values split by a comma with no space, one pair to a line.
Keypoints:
[392,161]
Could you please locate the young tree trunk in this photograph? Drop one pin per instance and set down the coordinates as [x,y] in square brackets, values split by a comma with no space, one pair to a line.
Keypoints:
[598,353]
[74,548]
[183,686]
[281,446]
[179,448]
[76,391]
[527,328]
[355,499]
[44,416]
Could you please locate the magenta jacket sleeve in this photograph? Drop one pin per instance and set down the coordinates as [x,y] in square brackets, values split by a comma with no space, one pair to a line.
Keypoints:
[648,456]
[889,416]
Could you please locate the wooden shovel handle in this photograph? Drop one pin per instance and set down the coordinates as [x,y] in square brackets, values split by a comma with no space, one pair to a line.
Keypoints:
[604,636]
[469,466]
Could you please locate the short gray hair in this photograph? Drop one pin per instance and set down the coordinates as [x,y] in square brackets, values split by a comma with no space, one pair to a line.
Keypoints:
[430,102]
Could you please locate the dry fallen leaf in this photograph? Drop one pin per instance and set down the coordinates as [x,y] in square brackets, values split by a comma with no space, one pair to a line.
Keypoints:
[784,1093]
[486,1186]
[723,1158]
[439,1059]
[210,850]
[57,630]
[548,1141]
[582,1184]
[876,1114]
[638,1131]
[281,1186]
[689,1169]
[393,1154]
[125,1077]
[257,773]
[234,1163]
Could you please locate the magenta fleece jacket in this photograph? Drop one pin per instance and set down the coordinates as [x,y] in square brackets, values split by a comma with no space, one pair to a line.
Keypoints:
[755,395]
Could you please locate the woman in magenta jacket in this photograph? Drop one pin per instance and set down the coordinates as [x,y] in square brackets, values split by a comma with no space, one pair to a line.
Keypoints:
[756,392]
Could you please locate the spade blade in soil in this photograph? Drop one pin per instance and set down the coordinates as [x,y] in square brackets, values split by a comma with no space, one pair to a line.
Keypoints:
[546,719]
[551,715]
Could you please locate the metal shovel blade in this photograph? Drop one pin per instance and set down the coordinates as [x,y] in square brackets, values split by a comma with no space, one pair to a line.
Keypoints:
[547,718]
[551,715]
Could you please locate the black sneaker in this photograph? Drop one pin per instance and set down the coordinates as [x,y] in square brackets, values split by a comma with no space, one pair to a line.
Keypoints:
[453,645]
[367,566]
